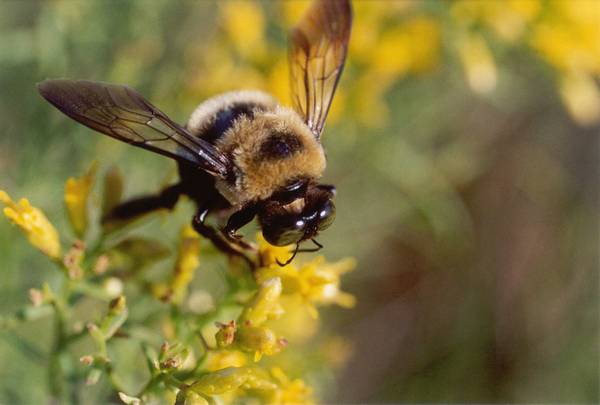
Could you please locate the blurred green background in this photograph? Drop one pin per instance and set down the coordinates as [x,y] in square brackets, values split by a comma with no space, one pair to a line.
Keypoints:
[463,142]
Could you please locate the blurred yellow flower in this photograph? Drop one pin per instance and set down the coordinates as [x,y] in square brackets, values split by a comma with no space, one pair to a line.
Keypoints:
[185,265]
[77,193]
[244,24]
[289,391]
[478,63]
[220,359]
[397,52]
[569,35]
[39,231]
[231,378]
[291,11]
[581,97]
[337,350]
[509,19]
[259,340]
[317,281]
[298,324]
[189,397]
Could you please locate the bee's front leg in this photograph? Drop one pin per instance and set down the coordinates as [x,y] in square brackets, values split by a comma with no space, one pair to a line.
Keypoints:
[236,221]
[217,238]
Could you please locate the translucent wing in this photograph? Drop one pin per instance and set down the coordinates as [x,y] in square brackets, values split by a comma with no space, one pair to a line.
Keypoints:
[122,113]
[318,46]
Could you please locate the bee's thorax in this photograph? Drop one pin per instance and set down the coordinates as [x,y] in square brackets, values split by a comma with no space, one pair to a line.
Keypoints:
[268,145]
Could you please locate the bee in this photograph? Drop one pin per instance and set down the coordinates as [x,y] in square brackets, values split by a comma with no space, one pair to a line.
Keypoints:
[241,155]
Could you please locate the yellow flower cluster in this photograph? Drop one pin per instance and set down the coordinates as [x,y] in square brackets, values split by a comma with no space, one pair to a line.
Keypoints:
[391,40]
[316,282]
[183,271]
[313,283]
[566,34]
[230,371]
[252,335]
[568,37]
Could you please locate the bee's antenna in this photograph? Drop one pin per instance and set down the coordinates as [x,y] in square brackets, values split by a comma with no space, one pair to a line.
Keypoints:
[319,247]
[288,261]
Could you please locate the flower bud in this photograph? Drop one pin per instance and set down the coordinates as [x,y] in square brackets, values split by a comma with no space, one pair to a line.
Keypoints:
[264,304]
[226,333]
[259,340]
[39,231]
[77,192]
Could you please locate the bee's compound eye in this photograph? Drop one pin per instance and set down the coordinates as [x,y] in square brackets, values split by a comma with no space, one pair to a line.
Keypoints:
[326,214]
[285,230]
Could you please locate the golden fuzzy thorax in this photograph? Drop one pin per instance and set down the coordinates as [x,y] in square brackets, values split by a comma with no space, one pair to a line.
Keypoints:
[204,116]
[259,175]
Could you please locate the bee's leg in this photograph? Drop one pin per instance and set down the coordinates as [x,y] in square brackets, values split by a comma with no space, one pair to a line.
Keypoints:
[236,221]
[137,207]
[217,238]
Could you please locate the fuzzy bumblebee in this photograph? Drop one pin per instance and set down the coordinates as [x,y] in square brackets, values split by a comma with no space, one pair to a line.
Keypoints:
[241,154]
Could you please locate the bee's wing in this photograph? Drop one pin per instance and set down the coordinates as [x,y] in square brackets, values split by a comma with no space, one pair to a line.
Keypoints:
[318,46]
[122,113]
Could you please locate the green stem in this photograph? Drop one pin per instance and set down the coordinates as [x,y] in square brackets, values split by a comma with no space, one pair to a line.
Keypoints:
[55,372]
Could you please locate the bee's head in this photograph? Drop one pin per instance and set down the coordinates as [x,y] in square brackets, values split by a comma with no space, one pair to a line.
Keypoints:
[297,213]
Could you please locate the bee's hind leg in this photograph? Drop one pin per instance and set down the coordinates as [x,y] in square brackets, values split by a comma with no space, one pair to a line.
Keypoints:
[137,207]
[218,239]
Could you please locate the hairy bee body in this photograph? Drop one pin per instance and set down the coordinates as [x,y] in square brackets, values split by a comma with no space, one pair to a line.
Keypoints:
[241,155]
[269,146]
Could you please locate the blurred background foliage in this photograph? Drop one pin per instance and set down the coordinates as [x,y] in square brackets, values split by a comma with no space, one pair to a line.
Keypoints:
[464,144]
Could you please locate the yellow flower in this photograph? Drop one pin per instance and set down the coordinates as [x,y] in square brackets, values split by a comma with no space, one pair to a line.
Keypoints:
[581,96]
[508,19]
[478,63]
[77,192]
[220,359]
[186,264]
[290,391]
[259,340]
[230,379]
[317,281]
[269,254]
[40,232]
[337,350]
[244,24]
[189,397]
[569,38]
[298,324]
[264,304]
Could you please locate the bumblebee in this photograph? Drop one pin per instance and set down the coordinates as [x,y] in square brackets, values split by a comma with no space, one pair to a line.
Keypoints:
[241,155]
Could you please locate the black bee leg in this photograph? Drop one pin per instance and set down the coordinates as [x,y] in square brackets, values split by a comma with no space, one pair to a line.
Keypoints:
[217,238]
[236,221]
[137,207]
